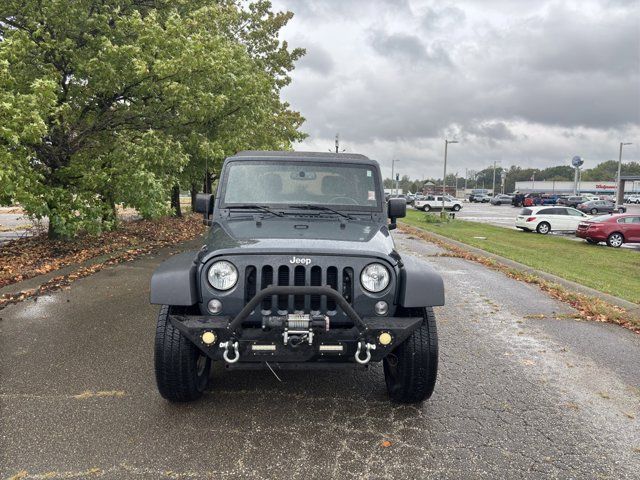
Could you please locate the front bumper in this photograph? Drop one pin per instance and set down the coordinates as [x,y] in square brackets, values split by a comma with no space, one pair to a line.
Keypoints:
[370,338]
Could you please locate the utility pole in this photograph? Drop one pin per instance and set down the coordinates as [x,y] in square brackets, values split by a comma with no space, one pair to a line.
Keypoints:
[466,175]
[444,176]
[620,189]
[337,147]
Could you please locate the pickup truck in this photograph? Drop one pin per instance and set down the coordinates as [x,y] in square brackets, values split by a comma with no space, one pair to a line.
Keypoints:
[434,202]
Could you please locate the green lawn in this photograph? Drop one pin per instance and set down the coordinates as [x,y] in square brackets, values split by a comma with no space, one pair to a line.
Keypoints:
[611,270]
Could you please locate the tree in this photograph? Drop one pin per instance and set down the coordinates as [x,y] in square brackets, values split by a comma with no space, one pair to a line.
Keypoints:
[121,101]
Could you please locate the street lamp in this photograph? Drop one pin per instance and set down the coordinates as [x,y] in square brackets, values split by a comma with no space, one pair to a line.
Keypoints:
[393,179]
[620,195]
[444,178]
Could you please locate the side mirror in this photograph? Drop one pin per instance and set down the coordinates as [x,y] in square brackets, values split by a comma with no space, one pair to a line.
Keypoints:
[204,205]
[396,208]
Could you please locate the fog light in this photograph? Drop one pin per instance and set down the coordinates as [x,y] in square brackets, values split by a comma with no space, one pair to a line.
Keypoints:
[214,306]
[381,308]
[208,338]
[385,338]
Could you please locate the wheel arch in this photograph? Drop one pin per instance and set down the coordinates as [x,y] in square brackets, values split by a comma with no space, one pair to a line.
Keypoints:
[420,285]
[174,281]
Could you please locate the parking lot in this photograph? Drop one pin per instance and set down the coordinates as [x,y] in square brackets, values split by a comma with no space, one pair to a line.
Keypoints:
[524,391]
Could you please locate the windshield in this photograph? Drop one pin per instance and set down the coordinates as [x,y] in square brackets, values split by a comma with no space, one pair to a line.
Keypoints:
[303,183]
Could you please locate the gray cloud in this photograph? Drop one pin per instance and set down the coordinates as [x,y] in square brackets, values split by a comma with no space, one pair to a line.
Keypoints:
[528,83]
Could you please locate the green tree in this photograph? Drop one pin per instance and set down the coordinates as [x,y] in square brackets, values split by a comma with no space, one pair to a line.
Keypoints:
[119,101]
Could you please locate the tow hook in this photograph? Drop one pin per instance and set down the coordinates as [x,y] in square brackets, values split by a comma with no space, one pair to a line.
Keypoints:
[234,345]
[367,347]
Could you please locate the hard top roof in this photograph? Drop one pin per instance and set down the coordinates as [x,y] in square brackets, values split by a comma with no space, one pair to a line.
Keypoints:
[266,155]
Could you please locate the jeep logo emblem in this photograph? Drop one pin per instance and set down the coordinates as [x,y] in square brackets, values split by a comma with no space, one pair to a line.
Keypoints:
[298,260]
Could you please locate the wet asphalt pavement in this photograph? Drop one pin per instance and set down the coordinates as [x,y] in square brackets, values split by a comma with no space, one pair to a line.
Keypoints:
[523,392]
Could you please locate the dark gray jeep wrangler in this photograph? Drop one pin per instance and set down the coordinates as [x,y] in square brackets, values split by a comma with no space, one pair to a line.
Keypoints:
[298,270]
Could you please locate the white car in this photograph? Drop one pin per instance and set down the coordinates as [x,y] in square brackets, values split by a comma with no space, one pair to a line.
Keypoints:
[549,219]
[434,202]
[633,199]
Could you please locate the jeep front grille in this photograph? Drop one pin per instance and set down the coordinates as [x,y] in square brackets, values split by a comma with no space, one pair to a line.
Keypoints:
[258,278]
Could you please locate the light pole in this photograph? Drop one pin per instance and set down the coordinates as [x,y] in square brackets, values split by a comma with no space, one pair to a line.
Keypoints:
[444,177]
[493,188]
[393,179]
[620,196]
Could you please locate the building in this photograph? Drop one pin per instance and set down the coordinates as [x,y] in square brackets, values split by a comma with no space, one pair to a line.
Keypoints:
[604,187]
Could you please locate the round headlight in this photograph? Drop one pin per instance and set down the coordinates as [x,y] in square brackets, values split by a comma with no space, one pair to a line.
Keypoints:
[222,275]
[375,277]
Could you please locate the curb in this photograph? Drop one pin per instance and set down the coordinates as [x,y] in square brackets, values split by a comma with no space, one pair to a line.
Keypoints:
[630,307]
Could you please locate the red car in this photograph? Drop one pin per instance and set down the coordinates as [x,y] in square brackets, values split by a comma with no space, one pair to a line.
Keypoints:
[613,229]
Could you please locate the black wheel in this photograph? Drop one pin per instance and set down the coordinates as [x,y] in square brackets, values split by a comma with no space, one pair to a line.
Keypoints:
[615,240]
[182,371]
[456,208]
[426,208]
[621,210]
[594,211]
[410,371]
[543,228]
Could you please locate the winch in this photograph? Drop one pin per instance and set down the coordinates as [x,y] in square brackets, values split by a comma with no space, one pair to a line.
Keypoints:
[296,327]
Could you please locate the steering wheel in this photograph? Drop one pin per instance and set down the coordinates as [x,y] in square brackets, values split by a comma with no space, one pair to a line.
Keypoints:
[350,201]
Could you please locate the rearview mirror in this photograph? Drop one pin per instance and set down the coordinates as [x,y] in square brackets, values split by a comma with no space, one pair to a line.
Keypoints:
[396,208]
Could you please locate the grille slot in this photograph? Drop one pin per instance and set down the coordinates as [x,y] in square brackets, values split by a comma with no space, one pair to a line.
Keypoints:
[283,280]
[250,283]
[332,281]
[299,281]
[316,281]
[266,280]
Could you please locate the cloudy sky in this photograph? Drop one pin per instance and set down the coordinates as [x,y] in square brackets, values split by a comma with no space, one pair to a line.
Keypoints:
[520,82]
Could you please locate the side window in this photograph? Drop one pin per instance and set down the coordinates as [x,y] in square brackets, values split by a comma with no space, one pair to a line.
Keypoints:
[625,220]
[546,211]
[574,212]
[634,219]
[560,211]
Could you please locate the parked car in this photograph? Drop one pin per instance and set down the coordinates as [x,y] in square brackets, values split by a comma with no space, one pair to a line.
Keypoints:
[477,192]
[549,199]
[633,199]
[434,202]
[613,229]
[600,206]
[532,199]
[501,199]
[549,219]
[479,198]
[572,201]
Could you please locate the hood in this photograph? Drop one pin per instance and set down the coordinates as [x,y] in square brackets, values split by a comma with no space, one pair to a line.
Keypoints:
[299,235]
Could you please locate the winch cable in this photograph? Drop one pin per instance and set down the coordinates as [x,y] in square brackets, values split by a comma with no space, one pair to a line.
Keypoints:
[274,373]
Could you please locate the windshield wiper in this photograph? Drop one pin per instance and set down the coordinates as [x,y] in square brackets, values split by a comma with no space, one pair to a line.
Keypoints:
[321,207]
[254,207]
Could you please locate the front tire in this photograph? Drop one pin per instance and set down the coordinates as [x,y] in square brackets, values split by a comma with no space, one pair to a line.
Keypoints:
[543,228]
[615,240]
[182,370]
[594,211]
[456,208]
[411,370]
[426,208]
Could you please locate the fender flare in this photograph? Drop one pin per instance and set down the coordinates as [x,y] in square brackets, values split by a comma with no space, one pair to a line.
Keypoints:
[174,281]
[420,284]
